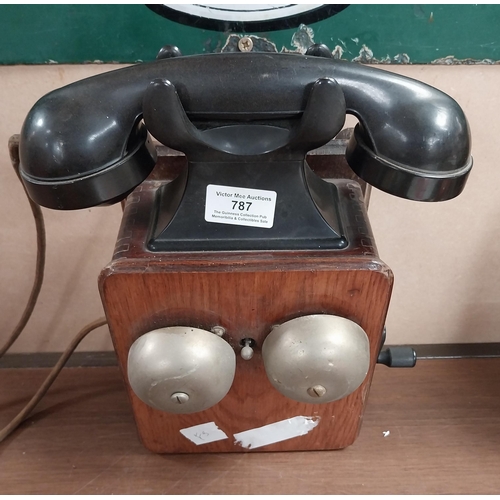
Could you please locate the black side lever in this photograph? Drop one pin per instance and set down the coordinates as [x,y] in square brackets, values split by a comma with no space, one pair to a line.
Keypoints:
[397,357]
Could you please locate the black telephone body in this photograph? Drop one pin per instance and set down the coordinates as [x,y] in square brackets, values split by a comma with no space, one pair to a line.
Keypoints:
[310,325]
[248,120]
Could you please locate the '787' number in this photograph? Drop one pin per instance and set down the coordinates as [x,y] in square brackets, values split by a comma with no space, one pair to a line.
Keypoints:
[241,205]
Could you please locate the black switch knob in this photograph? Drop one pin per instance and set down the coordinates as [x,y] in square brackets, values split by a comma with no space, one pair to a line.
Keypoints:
[398,357]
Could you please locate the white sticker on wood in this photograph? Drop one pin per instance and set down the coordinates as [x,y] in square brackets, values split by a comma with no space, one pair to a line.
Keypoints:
[204,433]
[276,432]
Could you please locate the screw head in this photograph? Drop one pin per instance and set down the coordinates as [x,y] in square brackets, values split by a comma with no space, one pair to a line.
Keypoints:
[168,51]
[245,44]
[319,50]
[316,391]
[179,397]
[218,330]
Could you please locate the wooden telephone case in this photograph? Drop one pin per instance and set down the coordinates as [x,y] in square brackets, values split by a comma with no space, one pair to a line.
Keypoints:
[246,292]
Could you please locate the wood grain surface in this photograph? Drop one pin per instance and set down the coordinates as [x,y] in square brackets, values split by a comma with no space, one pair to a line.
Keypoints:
[138,302]
[443,419]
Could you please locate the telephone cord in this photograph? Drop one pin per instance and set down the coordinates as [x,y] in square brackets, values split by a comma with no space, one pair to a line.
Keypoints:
[30,306]
[24,413]
[40,255]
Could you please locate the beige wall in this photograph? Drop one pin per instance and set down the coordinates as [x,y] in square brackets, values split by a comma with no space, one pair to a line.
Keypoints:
[444,255]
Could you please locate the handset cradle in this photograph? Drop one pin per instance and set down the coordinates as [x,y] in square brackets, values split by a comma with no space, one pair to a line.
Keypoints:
[243,156]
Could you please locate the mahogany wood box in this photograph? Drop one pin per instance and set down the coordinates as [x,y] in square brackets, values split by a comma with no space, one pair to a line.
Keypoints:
[245,292]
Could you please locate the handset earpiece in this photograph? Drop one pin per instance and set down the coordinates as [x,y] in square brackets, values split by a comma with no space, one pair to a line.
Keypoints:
[77,152]
[412,141]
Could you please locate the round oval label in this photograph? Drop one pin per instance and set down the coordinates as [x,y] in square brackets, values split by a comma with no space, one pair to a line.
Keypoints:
[242,17]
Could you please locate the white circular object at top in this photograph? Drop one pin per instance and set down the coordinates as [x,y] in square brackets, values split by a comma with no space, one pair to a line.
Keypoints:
[246,17]
[244,12]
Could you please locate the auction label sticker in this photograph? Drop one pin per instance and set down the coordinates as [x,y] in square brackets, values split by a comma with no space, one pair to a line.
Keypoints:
[240,206]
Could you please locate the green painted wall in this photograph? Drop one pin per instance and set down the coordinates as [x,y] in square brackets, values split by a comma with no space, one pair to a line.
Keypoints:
[34,34]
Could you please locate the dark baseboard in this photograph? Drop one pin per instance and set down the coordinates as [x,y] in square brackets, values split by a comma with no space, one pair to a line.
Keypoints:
[108,358]
[49,359]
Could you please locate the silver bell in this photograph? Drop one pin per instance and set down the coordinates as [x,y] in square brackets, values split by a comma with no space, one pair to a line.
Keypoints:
[179,369]
[316,359]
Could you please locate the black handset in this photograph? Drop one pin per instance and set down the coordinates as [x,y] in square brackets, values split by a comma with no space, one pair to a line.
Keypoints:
[87,144]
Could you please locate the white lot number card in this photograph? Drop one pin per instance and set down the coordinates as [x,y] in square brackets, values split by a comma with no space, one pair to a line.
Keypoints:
[240,206]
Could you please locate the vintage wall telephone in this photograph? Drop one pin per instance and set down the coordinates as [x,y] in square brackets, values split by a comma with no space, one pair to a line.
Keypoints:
[247,250]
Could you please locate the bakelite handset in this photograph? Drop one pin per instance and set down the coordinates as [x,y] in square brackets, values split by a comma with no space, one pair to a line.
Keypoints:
[87,144]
